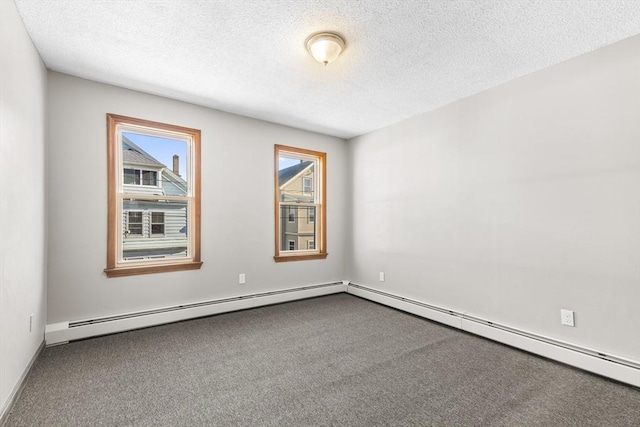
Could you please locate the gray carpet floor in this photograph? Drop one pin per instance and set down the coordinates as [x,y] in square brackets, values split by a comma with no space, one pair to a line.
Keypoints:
[336,360]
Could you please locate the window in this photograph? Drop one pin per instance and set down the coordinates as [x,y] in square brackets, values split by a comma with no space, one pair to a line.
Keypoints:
[149,177]
[132,176]
[140,177]
[157,223]
[134,226]
[307,185]
[300,180]
[158,207]
[311,214]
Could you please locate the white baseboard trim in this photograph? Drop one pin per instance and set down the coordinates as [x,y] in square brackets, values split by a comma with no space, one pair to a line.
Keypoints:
[403,304]
[17,389]
[620,369]
[63,332]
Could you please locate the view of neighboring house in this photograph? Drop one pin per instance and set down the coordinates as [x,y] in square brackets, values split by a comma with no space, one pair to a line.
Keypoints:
[297,223]
[152,228]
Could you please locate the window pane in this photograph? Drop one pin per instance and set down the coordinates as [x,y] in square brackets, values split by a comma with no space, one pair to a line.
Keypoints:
[157,222]
[129,176]
[134,225]
[156,162]
[135,217]
[149,178]
[307,185]
[296,235]
[162,229]
[295,179]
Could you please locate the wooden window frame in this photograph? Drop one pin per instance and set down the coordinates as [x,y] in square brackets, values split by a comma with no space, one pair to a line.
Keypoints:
[320,223]
[116,268]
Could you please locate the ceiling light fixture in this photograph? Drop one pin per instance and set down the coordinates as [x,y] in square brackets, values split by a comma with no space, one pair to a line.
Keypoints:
[325,47]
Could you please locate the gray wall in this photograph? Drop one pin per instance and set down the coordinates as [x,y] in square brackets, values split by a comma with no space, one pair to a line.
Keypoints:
[22,195]
[514,203]
[237,204]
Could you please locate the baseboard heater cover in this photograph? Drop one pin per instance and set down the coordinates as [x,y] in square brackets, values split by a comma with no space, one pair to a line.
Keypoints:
[63,332]
[620,369]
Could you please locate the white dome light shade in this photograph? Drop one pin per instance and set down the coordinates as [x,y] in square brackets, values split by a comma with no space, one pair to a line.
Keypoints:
[325,47]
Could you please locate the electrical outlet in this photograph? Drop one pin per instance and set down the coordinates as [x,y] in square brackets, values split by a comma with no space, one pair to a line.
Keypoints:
[242,278]
[566,317]
[31,322]
[381,276]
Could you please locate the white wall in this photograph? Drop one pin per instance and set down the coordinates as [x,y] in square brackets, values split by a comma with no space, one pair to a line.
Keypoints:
[22,200]
[237,205]
[514,203]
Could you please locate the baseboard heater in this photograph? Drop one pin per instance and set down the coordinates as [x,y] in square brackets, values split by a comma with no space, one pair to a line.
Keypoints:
[621,369]
[63,332]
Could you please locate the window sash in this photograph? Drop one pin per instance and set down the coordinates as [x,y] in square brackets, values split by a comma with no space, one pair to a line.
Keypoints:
[151,198]
[299,211]
[150,178]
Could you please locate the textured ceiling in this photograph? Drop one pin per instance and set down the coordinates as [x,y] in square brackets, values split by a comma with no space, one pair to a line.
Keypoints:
[403,57]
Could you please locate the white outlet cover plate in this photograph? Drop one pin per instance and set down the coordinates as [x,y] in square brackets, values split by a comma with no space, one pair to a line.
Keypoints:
[242,279]
[566,317]
[381,276]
